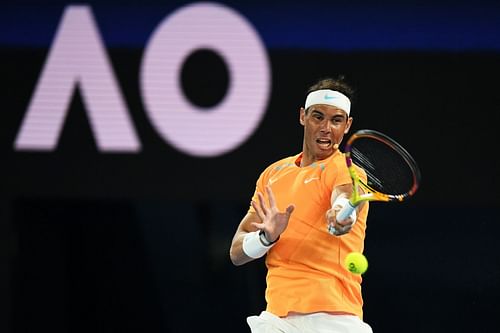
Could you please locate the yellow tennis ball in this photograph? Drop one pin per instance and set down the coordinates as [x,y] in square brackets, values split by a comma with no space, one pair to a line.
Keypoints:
[356,263]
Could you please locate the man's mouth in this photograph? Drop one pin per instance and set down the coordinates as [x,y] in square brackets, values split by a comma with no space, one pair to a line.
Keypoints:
[324,143]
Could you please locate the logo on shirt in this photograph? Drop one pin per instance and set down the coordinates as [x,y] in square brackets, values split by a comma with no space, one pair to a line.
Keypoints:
[308,180]
[271,181]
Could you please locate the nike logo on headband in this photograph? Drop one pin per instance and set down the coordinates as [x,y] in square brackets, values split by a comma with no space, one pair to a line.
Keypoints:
[328,97]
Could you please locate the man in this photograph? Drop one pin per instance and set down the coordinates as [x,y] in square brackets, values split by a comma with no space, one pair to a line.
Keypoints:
[296,199]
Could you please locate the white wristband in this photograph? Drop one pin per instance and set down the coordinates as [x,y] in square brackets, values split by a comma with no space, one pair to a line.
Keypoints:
[341,202]
[253,247]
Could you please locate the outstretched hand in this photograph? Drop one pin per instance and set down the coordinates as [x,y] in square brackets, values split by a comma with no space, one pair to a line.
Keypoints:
[273,222]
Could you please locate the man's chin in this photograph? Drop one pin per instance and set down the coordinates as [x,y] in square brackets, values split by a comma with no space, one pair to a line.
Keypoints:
[324,153]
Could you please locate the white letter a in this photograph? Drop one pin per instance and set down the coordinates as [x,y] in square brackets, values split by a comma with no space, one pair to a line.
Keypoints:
[77,58]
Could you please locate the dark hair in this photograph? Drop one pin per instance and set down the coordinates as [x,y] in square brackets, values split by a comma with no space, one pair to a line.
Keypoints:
[339,84]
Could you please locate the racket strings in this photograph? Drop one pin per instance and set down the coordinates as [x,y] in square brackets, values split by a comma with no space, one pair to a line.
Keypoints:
[388,170]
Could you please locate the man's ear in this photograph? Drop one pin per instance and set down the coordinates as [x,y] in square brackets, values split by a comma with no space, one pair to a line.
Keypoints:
[302,116]
[348,127]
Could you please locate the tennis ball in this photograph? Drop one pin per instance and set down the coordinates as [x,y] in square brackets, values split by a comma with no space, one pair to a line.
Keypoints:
[356,263]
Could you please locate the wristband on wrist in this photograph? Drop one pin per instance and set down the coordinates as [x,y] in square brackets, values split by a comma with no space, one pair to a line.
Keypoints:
[341,202]
[264,240]
[253,246]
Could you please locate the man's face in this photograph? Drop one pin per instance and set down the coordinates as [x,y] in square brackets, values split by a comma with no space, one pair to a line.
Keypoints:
[324,125]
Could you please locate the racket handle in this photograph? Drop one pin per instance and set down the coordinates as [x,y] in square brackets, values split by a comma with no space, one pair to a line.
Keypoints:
[345,212]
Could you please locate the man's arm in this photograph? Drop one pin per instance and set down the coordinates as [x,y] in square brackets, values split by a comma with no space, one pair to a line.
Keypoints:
[238,256]
[259,229]
[340,196]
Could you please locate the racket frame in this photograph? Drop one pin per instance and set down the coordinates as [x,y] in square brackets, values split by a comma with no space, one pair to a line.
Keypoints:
[371,194]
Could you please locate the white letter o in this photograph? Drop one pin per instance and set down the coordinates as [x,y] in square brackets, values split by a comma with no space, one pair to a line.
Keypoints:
[222,128]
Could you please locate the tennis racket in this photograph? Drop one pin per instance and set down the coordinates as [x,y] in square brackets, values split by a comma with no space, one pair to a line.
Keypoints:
[391,173]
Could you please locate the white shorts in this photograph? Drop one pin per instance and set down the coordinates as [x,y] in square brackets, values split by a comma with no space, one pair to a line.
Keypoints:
[319,322]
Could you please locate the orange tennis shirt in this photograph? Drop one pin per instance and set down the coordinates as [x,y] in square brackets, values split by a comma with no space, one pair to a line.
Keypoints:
[305,267]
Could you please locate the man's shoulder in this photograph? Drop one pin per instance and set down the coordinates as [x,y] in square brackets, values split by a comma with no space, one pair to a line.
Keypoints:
[285,161]
[279,165]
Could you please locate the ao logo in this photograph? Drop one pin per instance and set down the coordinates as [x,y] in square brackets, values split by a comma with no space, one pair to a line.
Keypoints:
[78,59]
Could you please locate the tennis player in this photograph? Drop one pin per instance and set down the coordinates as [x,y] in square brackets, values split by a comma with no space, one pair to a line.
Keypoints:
[295,200]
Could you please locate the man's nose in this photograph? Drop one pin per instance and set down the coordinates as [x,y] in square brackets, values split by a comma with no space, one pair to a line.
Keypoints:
[325,126]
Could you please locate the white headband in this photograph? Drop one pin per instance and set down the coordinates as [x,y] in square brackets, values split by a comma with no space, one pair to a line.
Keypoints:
[329,97]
